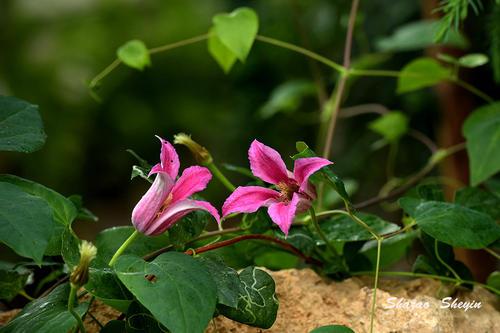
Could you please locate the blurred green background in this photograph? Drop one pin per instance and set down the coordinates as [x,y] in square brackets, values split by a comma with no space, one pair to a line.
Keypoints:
[51,49]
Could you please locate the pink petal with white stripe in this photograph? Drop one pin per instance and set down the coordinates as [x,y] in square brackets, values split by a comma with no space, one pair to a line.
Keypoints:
[248,199]
[193,179]
[283,213]
[266,163]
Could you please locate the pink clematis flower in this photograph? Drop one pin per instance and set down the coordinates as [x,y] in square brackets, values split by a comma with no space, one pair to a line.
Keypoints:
[167,200]
[293,193]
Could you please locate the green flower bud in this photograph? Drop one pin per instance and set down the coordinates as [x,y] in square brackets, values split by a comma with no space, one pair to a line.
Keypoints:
[201,154]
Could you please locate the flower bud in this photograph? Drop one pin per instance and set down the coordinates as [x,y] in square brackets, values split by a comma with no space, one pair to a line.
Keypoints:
[80,274]
[201,154]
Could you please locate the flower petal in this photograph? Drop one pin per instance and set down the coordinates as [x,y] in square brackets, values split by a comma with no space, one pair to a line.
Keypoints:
[169,160]
[266,163]
[148,207]
[247,199]
[175,212]
[305,167]
[283,213]
[193,179]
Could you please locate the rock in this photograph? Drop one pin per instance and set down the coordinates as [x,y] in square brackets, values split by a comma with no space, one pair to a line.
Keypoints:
[307,301]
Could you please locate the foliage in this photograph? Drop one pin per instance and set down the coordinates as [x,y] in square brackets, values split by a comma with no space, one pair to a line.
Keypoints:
[180,279]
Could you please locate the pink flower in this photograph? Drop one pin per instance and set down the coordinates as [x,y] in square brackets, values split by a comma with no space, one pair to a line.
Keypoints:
[167,200]
[293,193]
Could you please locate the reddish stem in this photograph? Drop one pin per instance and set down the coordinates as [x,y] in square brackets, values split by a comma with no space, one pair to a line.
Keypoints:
[289,247]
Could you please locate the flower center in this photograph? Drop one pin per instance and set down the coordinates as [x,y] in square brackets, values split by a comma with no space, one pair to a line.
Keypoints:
[167,202]
[287,190]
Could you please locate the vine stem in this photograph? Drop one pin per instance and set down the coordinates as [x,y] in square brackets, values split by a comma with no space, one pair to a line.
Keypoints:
[320,232]
[493,253]
[122,248]
[339,90]
[71,309]
[429,276]
[283,244]
[375,284]
[448,267]
[220,176]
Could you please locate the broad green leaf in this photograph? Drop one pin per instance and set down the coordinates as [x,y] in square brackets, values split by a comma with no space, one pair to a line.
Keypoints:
[63,209]
[222,55]
[473,60]
[26,223]
[258,222]
[451,223]
[480,200]
[82,213]
[416,36]
[421,73]
[391,126]
[287,97]
[494,280]
[343,228]
[48,314]
[494,186]
[188,293]
[12,281]
[114,326]
[327,172]
[237,30]
[226,279]
[140,320]
[21,127]
[393,249]
[258,305]
[332,329]
[134,54]
[189,227]
[301,238]
[276,260]
[482,131]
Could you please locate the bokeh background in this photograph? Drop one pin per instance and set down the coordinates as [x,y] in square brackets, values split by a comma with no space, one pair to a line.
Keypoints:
[51,49]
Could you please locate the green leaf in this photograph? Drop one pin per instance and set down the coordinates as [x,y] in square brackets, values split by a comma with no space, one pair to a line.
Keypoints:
[482,131]
[226,279]
[222,55]
[391,126]
[21,127]
[12,281]
[26,223]
[276,260]
[82,213]
[332,329]
[237,30]
[393,249]
[63,209]
[301,238]
[327,172]
[258,305]
[188,293]
[134,54]
[140,320]
[189,227]
[287,97]
[421,73]
[48,314]
[494,280]
[418,35]
[477,199]
[473,60]
[452,224]
[138,171]
[343,228]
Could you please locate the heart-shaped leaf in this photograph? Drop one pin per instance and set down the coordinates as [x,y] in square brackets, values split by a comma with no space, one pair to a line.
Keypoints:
[135,54]
[332,329]
[482,131]
[26,223]
[258,305]
[224,56]
[21,127]
[391,126]
[176,288]
[237,30]
[48,314]
[451,223]
[421,73]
